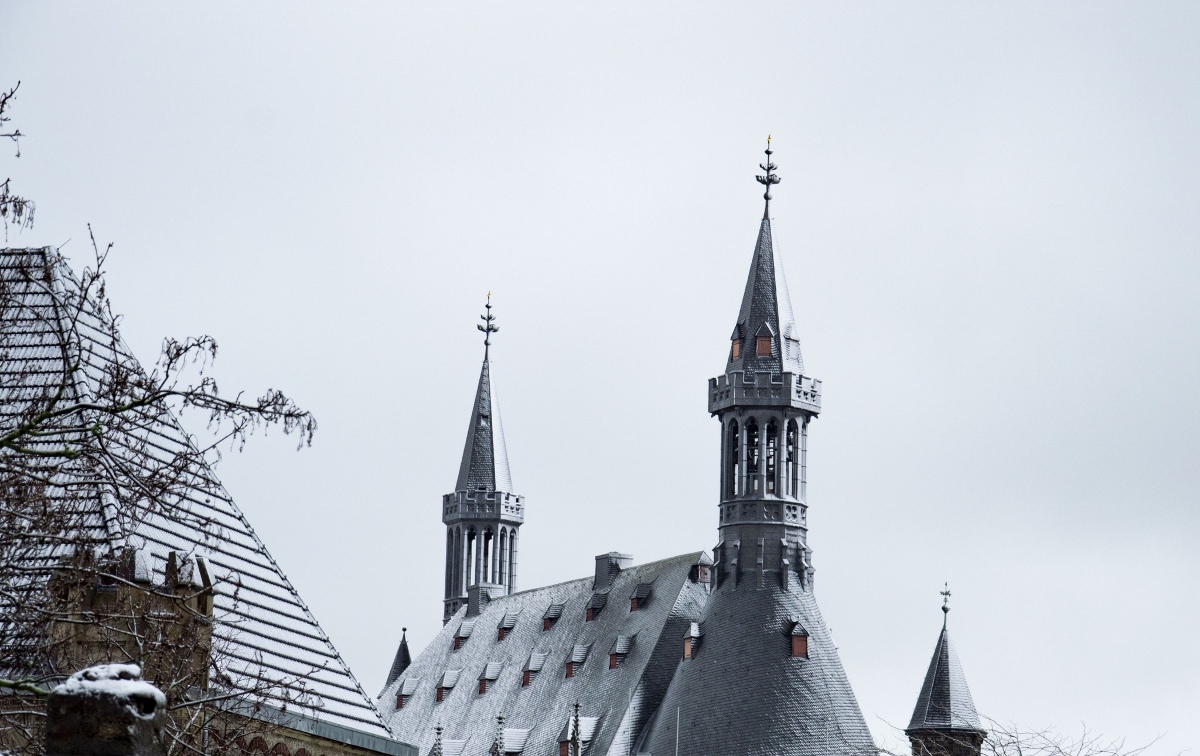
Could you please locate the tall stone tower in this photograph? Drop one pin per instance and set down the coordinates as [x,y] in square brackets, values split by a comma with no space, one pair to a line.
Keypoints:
[482,515]
[765,677]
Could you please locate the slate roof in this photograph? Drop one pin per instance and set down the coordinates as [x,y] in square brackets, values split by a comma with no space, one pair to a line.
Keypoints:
[743,693]
[484,464]
[617,702]
[945,701]
[766,310]
[267,632]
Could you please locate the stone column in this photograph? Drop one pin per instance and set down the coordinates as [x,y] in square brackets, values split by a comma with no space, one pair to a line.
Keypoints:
[106,710]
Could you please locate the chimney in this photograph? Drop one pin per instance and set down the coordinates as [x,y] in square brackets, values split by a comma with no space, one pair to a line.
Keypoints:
[607,567]
[106,710]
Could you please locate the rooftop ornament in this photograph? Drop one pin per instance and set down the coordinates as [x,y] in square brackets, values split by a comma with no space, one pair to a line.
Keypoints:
[766,180]
[489,326]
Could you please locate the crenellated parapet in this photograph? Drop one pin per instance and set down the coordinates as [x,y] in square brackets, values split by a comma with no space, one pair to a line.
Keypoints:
[499,506]
[764,390]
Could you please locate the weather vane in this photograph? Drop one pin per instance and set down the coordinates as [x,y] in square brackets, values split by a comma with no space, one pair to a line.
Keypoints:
[945,602]
[768,179]
[489,326]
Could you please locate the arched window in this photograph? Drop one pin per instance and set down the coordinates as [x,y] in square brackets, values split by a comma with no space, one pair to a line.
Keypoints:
[792,454]
[503,555]
[471,552]
[733,451]
[772,455]
[752,459]
[449,562]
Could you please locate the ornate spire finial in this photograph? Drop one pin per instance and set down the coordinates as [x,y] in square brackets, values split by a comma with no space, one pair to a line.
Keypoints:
[945,593]
[576,738]
[498,743]
[437,741]
[489,326]
[768,179]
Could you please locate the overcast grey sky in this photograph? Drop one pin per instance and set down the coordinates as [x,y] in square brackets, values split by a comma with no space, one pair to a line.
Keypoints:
[989,222]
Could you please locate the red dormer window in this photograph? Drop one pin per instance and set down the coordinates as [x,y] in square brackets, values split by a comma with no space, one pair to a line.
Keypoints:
[737,349]
[570,669]
[591,614]
[762,347]
[500,633]
[458,643]
[441,694]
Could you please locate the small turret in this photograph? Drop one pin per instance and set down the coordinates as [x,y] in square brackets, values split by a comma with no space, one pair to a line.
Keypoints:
[483,514]
[945,722]
[402,661]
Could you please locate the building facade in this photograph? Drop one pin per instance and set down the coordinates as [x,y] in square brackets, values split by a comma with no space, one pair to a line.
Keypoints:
[688,655]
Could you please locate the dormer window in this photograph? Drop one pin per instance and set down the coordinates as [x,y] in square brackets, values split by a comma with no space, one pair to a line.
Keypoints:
[595,606]
[691,640]
[620,649]
[532,668]
[407,688]
[737,349]
[449,679]
[551,616]
[489,675]
[762,346]
[640,597]
[579,655]
[799,637]
[506,626]
[464,632]
[587,730]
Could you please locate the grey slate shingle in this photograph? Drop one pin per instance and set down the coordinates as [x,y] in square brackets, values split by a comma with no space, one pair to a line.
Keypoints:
[620,699]
[945,701]
[266,628]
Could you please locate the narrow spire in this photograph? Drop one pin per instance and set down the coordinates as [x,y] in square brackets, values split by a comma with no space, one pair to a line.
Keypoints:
[437,741]
[945,702]
[766,311]
[768,179]
[490,326]
[576,738]
[498,743]
[485,456]
[402,661]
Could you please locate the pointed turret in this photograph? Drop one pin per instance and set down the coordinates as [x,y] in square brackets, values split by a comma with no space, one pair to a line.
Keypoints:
[766,679]
[483,514]
[402,660]
[484,464]
[944,722]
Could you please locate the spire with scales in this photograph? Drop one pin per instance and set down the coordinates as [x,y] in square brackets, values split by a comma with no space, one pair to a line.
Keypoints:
[944,722]
[483,514]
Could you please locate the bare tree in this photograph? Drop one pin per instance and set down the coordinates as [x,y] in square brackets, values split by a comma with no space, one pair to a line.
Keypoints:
[92,457]
[13,207]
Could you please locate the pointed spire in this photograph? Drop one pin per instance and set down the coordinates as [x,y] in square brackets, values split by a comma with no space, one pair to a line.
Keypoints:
[402,661]
[766,310]
[437,741]
[485,456]
[945,702]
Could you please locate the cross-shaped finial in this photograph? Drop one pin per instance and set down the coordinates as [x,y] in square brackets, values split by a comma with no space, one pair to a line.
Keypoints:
[945,602]
[489,326]
[768,179]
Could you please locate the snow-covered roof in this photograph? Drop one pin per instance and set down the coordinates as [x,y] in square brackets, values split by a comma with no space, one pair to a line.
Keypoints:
[270,642]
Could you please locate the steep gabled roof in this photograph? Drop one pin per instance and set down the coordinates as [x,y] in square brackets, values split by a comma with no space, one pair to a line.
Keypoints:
[945,701]
[485,457]
[269,641]
[619,700]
